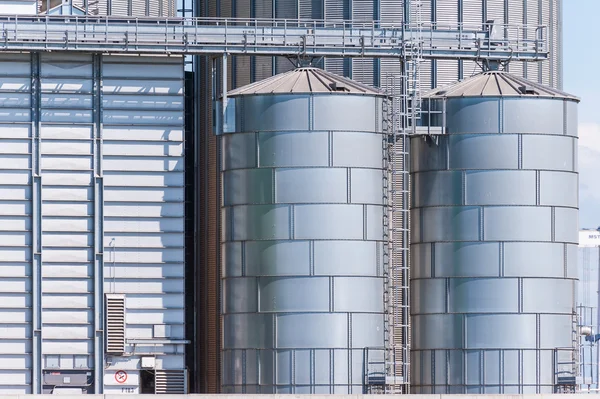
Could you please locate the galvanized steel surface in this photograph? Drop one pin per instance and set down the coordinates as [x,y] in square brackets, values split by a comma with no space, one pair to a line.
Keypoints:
[91,177]
[134,8]
[302,242]
[494,244]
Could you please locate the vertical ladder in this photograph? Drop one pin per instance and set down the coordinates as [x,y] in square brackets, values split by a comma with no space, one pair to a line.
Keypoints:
[401,115]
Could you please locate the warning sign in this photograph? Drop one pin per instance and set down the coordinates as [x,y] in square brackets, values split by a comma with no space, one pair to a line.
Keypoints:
[121,376]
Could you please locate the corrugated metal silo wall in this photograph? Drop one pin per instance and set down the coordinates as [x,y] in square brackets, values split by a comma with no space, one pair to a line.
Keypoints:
[135,8]
[86,172]
[587,301]
[302,251]
[494,246]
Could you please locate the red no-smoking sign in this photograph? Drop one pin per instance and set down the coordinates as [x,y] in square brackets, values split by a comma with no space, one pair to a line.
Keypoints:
[121,376]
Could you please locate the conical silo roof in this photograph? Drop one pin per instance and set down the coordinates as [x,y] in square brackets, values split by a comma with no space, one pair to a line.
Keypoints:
[497,84]
[306,81]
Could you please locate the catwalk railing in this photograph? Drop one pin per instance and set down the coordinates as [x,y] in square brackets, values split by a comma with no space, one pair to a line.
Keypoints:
[310,38]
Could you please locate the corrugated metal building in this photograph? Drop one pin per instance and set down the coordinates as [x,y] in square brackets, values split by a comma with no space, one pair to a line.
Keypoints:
[587,305]
[134,8]
[91,174]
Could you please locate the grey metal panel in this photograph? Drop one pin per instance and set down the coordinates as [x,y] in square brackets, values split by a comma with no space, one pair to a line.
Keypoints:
[518,223]
[239,151]
[312,185]
[533,259]
[366,186]
[306,330]
[572,120]
[257,327]
[332,222]
[346,258]
[483,295]
[571,262]
[273,113]
[548,152]
[566,225]
[557,330]
[539,116]
[293,149]
[354,113]
[426,331]
[451,224]
[259,222]
[467,259]
[540,295]
[294,294]
[501,188]
[559,189]
[483,152]
[374,222]
[358,294]
[426,155]
[247,186]
[277,258]
[357,149]
[437,188]
[428,296]
[473,115]
[501,331]
[422,259]
[239,295]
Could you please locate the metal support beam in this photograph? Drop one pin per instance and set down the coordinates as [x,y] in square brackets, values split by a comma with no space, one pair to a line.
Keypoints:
[224,100]
[98,228]
[275,37]
[36,229]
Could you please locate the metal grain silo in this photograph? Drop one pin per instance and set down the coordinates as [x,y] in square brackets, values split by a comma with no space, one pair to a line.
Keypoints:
[302,234]
[494,238]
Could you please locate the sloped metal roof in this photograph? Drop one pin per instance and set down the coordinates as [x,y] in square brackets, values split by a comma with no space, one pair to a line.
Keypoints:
[306,80]
[497,84]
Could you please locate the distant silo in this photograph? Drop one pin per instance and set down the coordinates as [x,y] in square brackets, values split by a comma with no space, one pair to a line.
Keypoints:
[302,234]
[494,238]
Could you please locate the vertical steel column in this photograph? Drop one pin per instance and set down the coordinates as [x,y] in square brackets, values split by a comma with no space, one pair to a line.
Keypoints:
[36,235]
[224,93]
[98,228]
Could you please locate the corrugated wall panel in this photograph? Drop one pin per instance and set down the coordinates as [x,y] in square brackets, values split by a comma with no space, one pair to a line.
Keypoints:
[546,21]
[516,15]
[556,43]
[446,72]
[66,167]
[446,13]
[120,7]
[362,70]
[311,9]
[16,258]
[472,12]
[495,11]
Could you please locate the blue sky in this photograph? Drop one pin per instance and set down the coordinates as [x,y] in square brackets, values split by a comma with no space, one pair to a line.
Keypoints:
[582,78]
